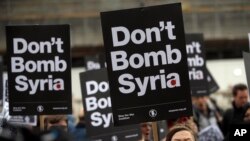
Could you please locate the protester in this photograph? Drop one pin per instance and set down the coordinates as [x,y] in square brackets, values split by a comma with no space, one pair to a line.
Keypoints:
[80,130]
[146,130]
[181,133]
[187,121]
[71,123]
[192,125]
[240,104]
[56,121]
[205,114]
[184,121]
[210,133]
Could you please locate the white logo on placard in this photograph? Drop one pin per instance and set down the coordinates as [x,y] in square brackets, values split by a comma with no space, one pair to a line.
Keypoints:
[40,108]
[152,113]
[161,130]
[114,138]
[209,78]
[27,119]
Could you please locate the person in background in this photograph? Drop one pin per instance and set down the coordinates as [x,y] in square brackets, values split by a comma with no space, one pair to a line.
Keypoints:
[192,125]
[205,114]
[237,113]
[146,130]
[80,132]
[181,133]
[56,121]
[184,121]
[187,121]
[71,123]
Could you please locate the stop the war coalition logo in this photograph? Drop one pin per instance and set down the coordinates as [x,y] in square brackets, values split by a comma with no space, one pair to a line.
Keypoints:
[39,69]
[97,106]
[147,64]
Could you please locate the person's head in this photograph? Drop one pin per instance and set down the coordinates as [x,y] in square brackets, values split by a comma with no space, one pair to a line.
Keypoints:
[181,133]
[240,94]
[56,121]
[200,102]
[192,125]
[146,128]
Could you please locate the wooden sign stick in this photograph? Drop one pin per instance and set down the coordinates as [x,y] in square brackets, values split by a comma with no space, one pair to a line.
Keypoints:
[41,118]
[155,131]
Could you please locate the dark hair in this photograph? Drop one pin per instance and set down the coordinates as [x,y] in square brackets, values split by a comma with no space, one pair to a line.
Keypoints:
[178,128]
[53,119]
[238,87]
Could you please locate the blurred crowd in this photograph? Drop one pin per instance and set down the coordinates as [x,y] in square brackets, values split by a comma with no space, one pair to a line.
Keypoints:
[209,122]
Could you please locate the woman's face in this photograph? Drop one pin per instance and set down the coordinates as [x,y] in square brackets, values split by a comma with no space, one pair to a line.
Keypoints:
[183,136]
[200,102]
[146,129]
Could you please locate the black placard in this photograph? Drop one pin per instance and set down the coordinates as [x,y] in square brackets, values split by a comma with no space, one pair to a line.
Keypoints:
[246,57]
[1,82]
[102,60]
[15,120]
[97,108]
[92,63]
[212,84]
[197,64]
[39,69]
[147,64]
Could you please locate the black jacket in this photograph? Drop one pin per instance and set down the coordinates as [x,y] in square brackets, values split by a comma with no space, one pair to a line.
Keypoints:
[233,116]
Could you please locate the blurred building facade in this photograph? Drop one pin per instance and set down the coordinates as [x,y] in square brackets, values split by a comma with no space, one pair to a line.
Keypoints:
[217,19]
